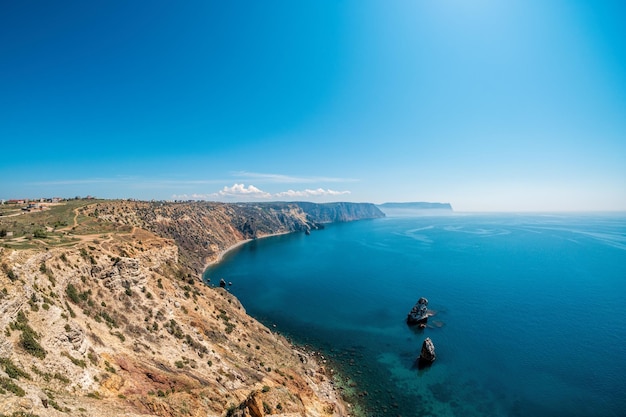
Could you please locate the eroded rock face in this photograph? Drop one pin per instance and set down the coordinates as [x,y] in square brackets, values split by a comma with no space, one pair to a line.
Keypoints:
[120,326]
[76,337]
[125,272]
[427,355]
[419,313]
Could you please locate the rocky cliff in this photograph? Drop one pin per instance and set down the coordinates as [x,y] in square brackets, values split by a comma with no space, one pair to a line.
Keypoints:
[102,314]
[203,230]
[340,212]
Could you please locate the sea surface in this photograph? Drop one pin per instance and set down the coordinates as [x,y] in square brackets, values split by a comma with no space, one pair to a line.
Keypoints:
[530,310]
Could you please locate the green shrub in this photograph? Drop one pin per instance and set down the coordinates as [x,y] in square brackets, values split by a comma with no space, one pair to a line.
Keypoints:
[12,370]
[7,384]
[12,275]
[21,318]
[72,314]
[72,293]
[61,378]
[108,319]
[30,344]
[119,336]
[78,362]
[84,295]
[91,355]
[33,302]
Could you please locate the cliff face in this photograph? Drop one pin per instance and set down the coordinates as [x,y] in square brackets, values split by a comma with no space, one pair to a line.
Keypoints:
[204,230]
[340,212]
[105,317]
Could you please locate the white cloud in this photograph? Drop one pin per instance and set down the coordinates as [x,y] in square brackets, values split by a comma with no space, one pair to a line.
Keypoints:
[243,193]
[238,190]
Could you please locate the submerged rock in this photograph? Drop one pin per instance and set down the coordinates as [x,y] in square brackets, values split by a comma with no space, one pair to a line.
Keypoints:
[419,313]
[427,355]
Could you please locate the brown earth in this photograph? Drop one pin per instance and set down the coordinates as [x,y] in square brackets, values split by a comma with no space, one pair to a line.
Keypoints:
[106,317]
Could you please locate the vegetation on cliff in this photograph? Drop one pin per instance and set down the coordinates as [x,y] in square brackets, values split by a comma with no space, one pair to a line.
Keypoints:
[105,316]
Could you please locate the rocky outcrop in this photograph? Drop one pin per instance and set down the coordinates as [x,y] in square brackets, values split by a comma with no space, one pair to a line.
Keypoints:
[427,354]
[110,322]
[419,313]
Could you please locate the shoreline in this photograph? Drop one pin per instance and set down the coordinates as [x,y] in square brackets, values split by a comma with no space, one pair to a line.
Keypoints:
[220,256]
[347,404]
[335,377]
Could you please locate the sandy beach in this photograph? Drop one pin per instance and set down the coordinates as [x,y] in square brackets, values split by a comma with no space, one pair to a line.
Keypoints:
[221,255]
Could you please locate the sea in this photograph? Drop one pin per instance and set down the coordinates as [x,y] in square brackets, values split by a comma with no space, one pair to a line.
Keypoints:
[529,310]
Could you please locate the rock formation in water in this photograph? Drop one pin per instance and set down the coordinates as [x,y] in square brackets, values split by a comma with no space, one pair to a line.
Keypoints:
[419,313]
[105,316]
[427,354]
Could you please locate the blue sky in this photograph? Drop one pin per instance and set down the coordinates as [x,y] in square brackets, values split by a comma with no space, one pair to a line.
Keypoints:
[488,105]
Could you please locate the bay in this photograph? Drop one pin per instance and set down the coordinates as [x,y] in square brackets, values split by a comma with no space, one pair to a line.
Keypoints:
[530,317]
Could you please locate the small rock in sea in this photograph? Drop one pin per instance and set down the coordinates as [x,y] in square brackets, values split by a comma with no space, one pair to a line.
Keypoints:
[427,355]
[222,283]
[419,313]
[230,283]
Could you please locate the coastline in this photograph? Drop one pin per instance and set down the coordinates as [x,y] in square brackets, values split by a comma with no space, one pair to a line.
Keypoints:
[232,247]
[337,379]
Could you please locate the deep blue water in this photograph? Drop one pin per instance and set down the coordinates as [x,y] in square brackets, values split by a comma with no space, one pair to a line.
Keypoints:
[530,310]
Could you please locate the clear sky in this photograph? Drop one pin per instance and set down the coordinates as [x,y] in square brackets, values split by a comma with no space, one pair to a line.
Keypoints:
[488,105]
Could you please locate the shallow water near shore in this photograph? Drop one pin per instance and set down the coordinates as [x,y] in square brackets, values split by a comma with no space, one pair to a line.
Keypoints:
[530,315]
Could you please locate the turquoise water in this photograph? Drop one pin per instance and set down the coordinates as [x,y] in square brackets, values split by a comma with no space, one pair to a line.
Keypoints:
[530,310]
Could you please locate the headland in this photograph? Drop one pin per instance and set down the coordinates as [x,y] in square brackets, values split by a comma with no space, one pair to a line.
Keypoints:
[104,314]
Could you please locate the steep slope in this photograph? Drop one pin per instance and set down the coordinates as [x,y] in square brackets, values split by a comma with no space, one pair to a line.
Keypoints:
[103,319]
[340,212]
[203,230]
